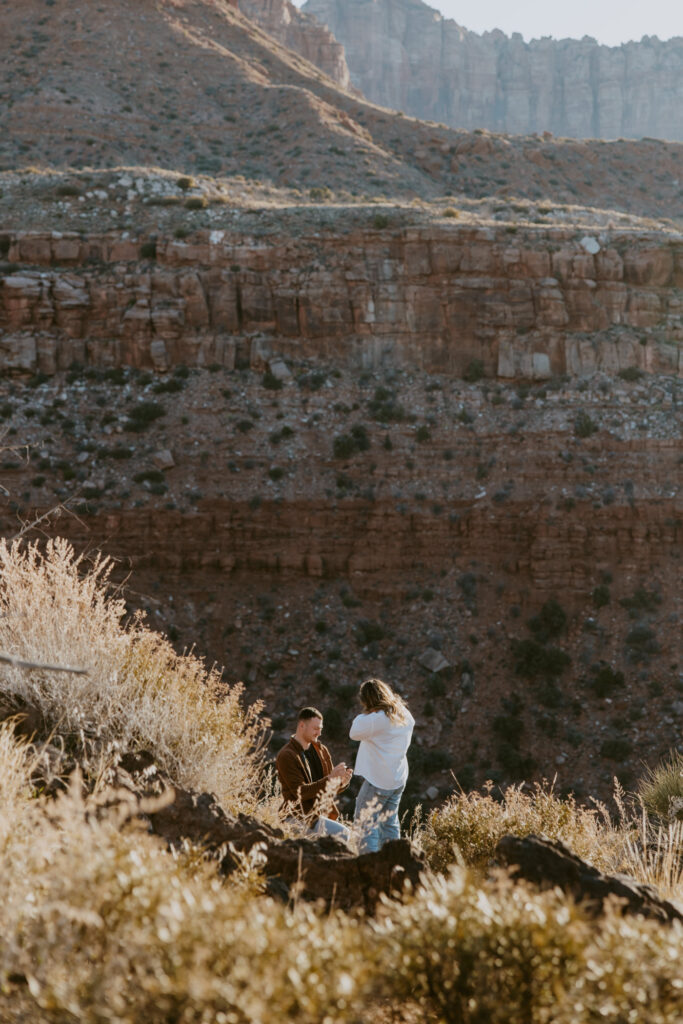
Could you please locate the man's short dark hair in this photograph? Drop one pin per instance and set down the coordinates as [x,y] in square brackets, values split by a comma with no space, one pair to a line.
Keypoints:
[307,713]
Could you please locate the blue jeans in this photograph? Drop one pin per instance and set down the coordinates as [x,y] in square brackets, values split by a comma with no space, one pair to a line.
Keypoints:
[328,827]
[378,809]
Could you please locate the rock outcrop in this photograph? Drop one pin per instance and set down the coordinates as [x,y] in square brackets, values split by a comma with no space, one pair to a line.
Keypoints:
[437,298]
[404,55]
[321,868]
[550,863]
[302,33]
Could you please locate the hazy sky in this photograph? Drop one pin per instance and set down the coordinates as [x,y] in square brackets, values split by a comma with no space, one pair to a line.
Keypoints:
[609,21]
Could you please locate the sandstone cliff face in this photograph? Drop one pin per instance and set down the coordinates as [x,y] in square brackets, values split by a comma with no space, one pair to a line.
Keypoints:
[529,304]
[404,55]
[301,33]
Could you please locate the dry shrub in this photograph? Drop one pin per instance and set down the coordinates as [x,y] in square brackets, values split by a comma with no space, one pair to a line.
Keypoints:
[654,855]
[661,789]
[631,971]
[105,926]
[138,694]
[475,951]
[469,825]
[492,953]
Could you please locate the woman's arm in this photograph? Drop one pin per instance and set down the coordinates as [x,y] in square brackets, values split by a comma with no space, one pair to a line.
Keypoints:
[364,725]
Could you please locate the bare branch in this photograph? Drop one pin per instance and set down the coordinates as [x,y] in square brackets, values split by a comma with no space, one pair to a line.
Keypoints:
[9,659]
[54,512]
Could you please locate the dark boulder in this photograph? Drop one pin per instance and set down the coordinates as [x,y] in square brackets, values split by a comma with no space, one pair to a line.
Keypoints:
[309,867]
[548,863]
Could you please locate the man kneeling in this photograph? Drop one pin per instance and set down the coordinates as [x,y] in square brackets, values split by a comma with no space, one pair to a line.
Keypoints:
[304,767]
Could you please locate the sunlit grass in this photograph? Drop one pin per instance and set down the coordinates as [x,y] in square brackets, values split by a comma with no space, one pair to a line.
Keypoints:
[103,924]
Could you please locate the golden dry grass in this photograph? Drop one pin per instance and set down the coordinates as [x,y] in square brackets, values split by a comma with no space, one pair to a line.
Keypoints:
[138,694]
[101,924]
[468,826]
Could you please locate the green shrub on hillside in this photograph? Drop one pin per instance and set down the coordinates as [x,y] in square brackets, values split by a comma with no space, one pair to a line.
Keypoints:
[533,659]
[143,414]
[550,622]
[346,445]
[661,790]
[584,426]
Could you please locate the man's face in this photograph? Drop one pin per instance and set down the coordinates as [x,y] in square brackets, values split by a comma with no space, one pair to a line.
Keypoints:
[310,729]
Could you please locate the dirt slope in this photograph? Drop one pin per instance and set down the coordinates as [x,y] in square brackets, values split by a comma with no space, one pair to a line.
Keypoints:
[194,86]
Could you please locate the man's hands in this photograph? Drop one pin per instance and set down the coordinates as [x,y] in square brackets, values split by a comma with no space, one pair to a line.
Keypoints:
[341,772]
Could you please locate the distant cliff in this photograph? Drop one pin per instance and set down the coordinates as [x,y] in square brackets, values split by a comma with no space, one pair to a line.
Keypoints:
[403,54]
[301,33]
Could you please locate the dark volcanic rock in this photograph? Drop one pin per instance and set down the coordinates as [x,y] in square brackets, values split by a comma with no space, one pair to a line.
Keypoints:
[314,868]
[550,863]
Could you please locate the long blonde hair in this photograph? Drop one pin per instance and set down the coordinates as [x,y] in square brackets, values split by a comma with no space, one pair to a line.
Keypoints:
[377,696]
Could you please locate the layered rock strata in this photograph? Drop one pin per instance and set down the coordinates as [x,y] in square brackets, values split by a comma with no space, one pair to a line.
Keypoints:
[257,531]
[403,54]
[531,304]
[302,33]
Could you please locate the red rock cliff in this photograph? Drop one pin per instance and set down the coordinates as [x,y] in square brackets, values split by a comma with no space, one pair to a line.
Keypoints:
[540,303]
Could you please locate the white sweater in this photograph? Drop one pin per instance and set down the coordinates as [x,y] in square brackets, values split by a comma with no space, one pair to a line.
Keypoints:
[381,756]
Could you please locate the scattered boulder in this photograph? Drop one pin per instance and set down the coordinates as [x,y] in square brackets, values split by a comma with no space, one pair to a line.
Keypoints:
[163,459]
[280,370]
[590,244]
[548,863]
[433,660]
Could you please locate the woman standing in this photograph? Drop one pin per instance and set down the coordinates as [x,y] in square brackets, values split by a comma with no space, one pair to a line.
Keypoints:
[384,728]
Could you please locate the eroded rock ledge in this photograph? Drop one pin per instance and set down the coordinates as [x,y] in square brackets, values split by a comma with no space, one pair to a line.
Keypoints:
[524,303]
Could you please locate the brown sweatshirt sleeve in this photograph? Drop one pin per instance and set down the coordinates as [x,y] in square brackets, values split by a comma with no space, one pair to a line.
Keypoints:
[293,779]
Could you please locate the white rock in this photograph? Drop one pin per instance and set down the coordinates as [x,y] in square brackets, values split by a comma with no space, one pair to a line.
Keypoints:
[590,244]
[163,459]
[541,365]
[433,660]
[280,370]
[157,351]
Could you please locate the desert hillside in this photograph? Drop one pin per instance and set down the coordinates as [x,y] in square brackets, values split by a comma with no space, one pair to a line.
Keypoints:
[449,364]
[295,389]
[196,87]
[404,55]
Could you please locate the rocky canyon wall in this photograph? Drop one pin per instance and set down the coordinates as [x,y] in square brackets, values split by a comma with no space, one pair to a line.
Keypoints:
[302,33]
[404,55]
[526,303]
